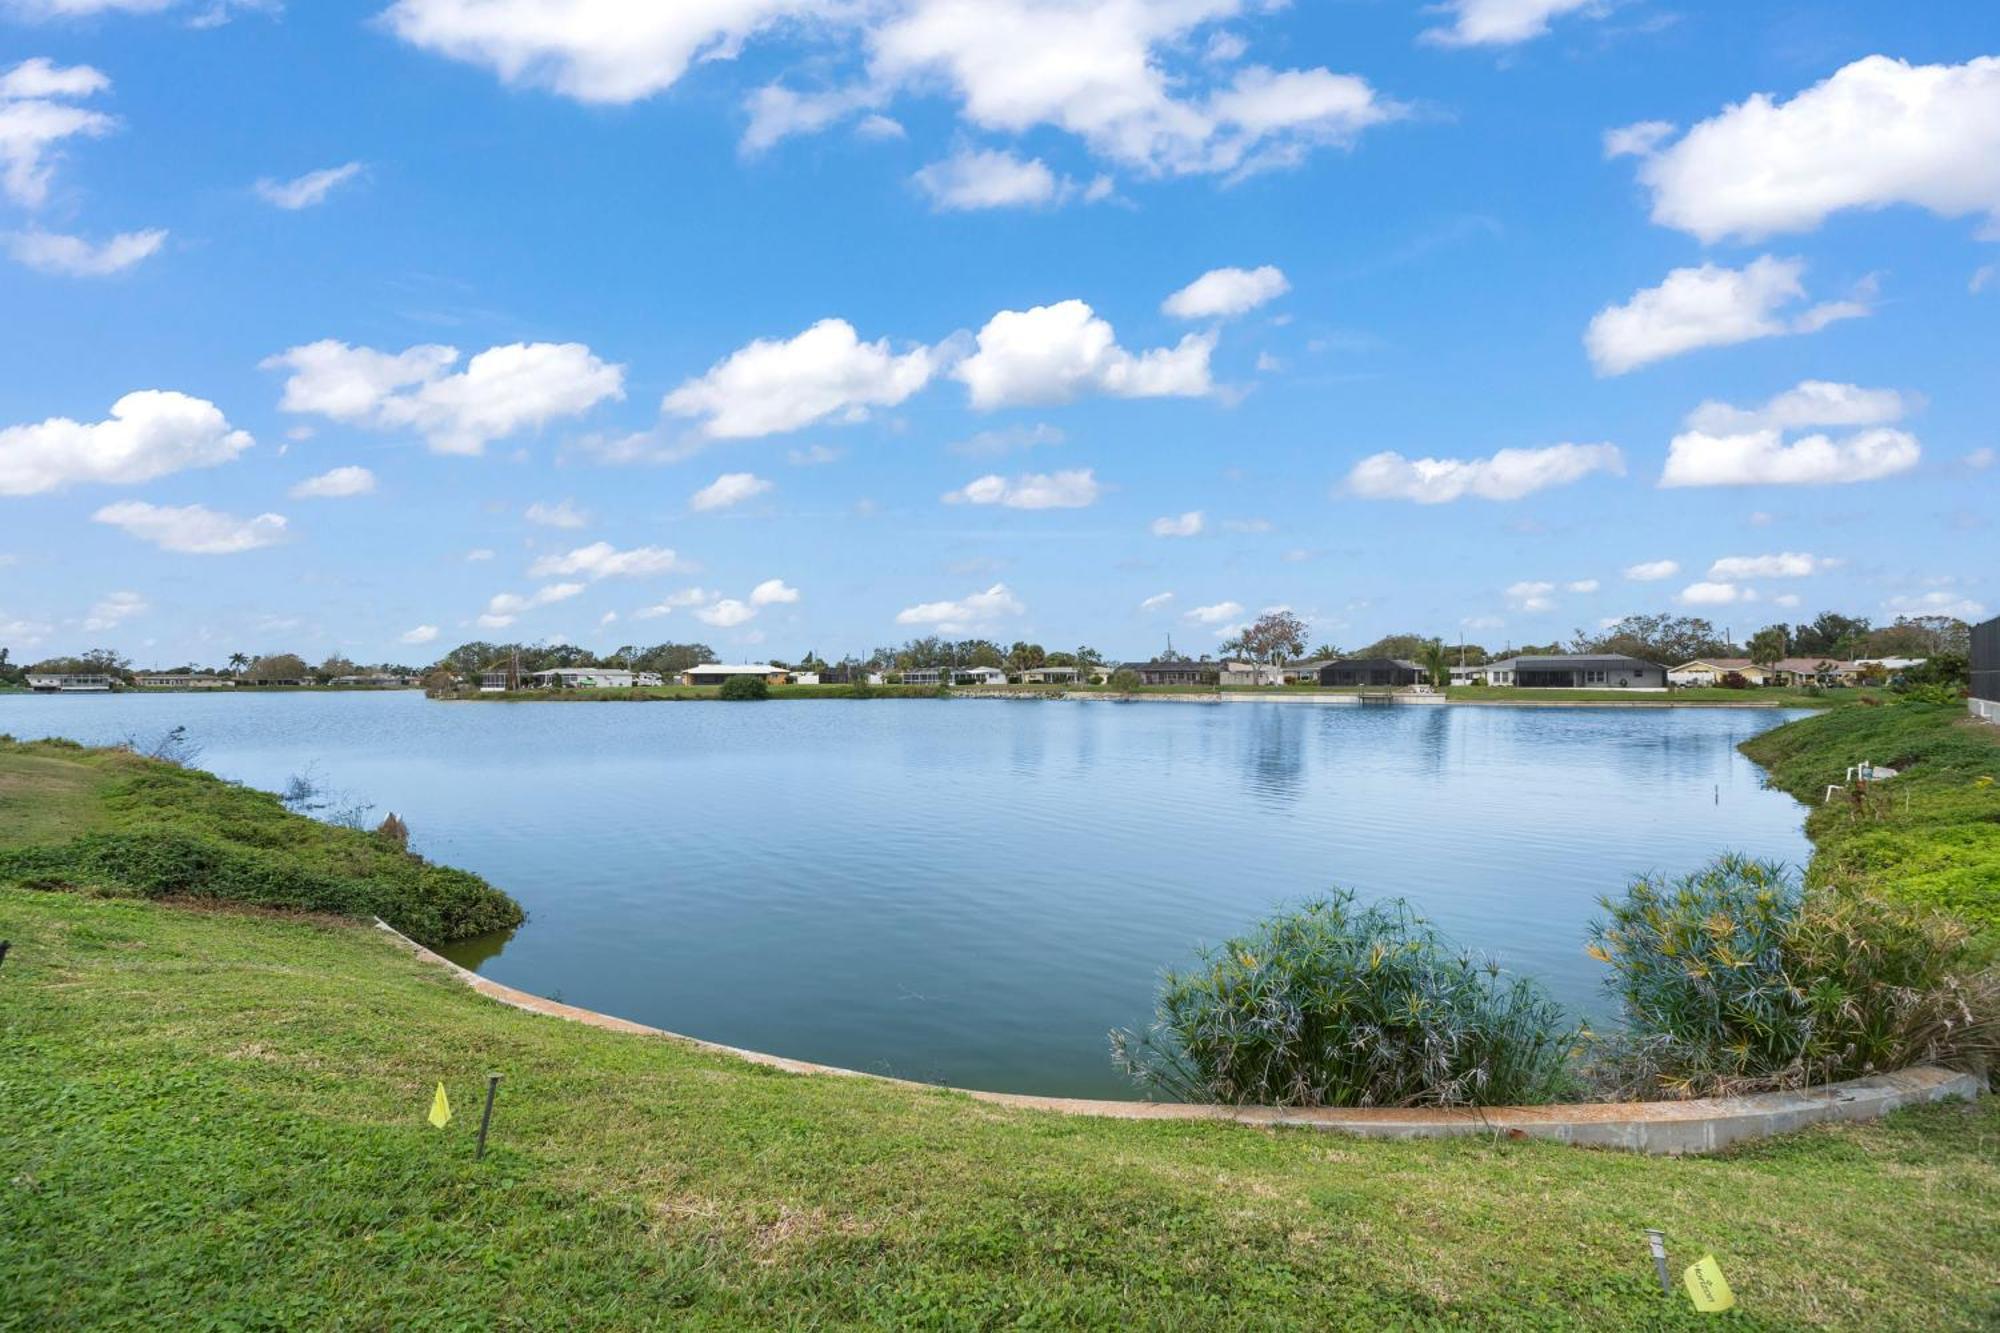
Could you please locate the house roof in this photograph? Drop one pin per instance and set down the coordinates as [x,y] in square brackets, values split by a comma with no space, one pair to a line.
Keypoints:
[1171,666]
[740,669]
[1575,661]
[1811,664]
[1724,663]
[1357,662]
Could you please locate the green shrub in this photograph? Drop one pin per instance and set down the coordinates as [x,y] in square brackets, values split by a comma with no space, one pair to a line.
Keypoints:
[745,687]
[1734,979]
[1337,1005]
[1125,680]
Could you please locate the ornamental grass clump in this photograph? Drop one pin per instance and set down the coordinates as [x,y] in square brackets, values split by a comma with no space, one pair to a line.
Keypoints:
[1335,1004]
[1734,979]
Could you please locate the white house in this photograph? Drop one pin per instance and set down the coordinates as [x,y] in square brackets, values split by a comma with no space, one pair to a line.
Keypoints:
[1048,675]
[175,680]
[1251,673]
[590,678]
[715,673]
[1711,670]
[979,676]
[53,683]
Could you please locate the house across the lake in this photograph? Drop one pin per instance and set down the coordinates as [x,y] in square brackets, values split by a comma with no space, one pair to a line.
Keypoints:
[1174,673]
[1571,671]
[1711,670]
[178,680]
[42,682]
[589,678]
[1048,675]
[1250,673]
[1385,672]
[715,673]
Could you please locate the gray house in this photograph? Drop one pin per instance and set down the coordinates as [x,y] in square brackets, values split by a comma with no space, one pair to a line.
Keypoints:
[1175,673]
[1577,671]
[1387,672]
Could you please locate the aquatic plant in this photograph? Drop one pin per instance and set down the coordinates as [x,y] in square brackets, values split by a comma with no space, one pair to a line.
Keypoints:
[1336,1004]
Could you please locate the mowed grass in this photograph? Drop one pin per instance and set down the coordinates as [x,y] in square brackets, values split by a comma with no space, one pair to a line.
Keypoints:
[213,1119]
[1929,835]
[51,796]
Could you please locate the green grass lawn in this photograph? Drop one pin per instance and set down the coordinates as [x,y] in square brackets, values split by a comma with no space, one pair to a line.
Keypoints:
[215,1118]
[1930,835]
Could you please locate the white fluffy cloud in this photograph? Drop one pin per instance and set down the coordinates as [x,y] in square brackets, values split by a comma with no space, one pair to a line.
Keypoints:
[561,514]
[770,386]
[1784,565]
[727,613]
[114,610]
[1157,602]
[1531,595]
[602,560]
[1219,613]
[37,113]
[673,602]
[1508,475]
[308,190]
[1730,446]
[1938,602]
[502,390]
[1709,306]
[149,434]
[1074,489]
[1582,585]
[1190,524]
[337,484]
[1225,292]
[1056,353]
[1652,571]
[1878,132]
[193,529]
[773,592]
[1503,22]
[504,608]
[973,179]
[1716,593]
[420,634]
[967,613]
[73,256]
[727,490]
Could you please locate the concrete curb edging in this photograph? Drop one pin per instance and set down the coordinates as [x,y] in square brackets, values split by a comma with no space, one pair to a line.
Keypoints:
[1659,1128]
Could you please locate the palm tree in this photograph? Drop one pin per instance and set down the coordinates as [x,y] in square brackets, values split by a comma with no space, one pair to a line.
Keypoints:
[1435,660]
[238,661]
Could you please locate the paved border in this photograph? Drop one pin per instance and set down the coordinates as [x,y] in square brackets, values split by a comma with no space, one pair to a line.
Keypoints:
[1660,1128]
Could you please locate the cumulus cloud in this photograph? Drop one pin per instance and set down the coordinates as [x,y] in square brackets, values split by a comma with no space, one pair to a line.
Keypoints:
[1503,22]
[1714,593]
[973,179]
[421,634]
[1878,132]
[561,514]
[1531,595]
[1709,306]
[827,372]
[1226,292]
[1784,565]
[1076,489]
[727,613]
[727,490]
[773,592]
[504,608]
[673,602]
[1508,475]
[1939,602]
[114,610]
[1157,602]
[1007,439]
[309,190]
[1582,585]
[1216,614]
[37,113]
[1730,446]
[1652,571]
[965,614]
[1189,524]
[602,560]
[500,391]
[75,257]
[149,434]
[193,529]
[1057,353]
[337,484]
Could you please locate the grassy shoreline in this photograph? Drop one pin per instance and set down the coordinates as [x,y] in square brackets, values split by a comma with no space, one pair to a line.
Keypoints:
[1689,698]
[216,1117]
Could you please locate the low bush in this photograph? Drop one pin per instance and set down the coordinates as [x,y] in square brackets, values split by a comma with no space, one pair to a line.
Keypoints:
[1735,979]
[1338,1005]
[745,687]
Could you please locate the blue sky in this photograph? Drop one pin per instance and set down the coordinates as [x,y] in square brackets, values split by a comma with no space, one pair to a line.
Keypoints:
[790,324]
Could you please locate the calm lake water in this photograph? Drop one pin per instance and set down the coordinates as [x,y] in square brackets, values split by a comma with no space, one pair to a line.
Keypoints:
[974,892]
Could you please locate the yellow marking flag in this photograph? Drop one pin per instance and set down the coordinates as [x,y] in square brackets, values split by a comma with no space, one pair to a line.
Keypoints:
[1711,1295]
[441,1116]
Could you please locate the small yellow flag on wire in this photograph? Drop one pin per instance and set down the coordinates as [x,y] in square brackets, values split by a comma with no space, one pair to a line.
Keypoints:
[1711,1295]
[441,1116]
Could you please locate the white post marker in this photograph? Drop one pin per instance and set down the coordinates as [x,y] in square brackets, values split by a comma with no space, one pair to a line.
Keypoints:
[1658,1241]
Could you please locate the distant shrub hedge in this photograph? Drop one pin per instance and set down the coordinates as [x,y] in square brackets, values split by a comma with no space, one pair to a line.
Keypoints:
[745,687]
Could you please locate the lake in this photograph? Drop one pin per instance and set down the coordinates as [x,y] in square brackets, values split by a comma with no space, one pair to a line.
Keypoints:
[974,892]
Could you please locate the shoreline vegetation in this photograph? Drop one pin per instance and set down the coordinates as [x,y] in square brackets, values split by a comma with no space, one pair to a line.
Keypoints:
[226,1107]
